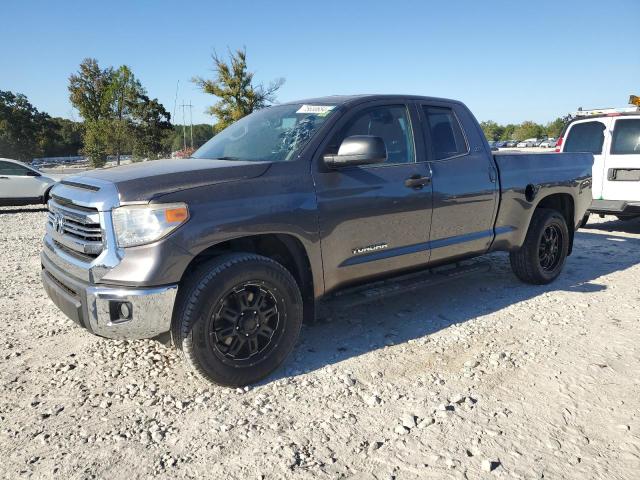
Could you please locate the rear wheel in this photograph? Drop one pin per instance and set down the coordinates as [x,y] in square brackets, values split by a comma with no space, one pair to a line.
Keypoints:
[542,256]
[238,319]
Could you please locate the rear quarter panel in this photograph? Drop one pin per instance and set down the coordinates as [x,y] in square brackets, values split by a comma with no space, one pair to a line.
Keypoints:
[541,175]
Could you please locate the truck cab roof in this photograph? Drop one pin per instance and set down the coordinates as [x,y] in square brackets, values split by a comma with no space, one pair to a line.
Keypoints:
[351,100]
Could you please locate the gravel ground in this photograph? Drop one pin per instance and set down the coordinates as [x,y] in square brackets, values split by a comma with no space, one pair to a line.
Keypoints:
[483,377]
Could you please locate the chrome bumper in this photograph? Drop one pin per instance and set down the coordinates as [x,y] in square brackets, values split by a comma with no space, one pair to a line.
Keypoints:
[98,308]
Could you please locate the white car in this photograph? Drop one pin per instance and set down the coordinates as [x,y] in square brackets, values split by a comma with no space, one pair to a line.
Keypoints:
[613,136]
[21,184]
[529,142]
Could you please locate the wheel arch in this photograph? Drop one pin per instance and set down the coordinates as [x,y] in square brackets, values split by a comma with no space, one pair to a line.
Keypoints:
[285,249]
[47,194]
[565,205]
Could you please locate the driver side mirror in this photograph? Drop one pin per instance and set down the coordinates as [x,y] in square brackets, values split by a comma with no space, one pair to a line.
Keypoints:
[31,173]
[358,150]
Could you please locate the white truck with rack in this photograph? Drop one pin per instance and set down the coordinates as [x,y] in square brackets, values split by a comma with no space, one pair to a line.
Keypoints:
[613,136]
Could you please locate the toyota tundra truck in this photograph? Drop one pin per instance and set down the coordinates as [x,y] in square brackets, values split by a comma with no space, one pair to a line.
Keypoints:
[227,252]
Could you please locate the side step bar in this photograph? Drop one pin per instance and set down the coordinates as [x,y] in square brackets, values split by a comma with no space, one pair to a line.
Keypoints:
[406,283]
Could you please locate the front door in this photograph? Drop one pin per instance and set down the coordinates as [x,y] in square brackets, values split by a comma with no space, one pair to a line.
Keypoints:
[17,182]
[373,218]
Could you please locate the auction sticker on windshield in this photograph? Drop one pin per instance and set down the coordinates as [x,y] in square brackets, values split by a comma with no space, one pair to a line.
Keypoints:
[321,110]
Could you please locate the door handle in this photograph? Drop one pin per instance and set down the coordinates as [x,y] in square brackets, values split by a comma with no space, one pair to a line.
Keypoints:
[492,174]
[417,181]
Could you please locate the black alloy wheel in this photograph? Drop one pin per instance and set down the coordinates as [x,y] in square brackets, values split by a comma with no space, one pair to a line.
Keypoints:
[245,322]
[549,249]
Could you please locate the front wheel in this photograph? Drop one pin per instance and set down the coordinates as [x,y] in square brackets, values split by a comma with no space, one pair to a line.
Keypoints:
[238,318]
[541,258]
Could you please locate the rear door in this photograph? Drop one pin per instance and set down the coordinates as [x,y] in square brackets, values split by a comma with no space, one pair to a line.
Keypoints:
[465,187]
[621,176]
[591,136]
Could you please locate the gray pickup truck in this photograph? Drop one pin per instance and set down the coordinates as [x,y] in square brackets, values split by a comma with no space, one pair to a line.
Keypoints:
[228,251]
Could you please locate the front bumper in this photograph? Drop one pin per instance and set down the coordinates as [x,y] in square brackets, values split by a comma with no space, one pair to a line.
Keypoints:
[97,307]
[615,207]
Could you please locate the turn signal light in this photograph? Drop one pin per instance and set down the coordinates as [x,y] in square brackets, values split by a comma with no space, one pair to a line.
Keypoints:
[176,215]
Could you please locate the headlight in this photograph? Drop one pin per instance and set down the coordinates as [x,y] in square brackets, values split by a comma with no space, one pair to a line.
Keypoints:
[140,224]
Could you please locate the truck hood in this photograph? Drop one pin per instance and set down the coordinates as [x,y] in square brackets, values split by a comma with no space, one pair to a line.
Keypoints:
[147,180]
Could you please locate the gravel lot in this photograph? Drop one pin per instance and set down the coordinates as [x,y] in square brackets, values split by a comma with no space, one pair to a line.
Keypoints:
[483,377]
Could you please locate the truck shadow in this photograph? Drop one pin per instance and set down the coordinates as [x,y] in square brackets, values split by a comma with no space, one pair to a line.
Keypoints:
[627,226]
[342,333]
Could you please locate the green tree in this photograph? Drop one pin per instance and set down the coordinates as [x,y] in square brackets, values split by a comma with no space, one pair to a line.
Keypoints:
[528,129]
[89,90]
[96,141]
[152,128]
[234,86]
[554,129]
[67,140]
[24,131]
[202,132]
[119,116]
[124,93]
[492,131]
[507,132]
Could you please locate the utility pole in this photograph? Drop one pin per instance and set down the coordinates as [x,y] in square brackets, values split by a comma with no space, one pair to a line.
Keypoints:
[184,126]
[184,129]
[191,121]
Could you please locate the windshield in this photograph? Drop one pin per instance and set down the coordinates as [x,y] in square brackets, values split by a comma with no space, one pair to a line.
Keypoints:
[273,134]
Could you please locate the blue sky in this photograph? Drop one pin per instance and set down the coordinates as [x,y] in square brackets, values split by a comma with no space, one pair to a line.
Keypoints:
[508,61]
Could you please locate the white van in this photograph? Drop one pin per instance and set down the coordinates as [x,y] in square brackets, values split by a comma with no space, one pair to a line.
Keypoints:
[613,136]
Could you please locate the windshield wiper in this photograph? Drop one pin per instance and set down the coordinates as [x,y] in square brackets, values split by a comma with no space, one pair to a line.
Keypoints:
[226,158]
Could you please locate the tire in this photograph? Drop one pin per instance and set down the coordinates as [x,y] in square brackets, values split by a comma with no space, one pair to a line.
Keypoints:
[237,318]
[540,259]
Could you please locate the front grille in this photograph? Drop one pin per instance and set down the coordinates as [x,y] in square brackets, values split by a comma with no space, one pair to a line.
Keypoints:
[76,228]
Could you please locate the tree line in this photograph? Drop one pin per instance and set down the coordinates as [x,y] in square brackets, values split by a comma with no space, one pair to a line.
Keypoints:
[27,133]
[119,117]
[522,131]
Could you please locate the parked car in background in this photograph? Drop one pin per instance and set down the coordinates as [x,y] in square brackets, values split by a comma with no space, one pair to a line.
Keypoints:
[548,143]
[21,184]
[529,142]
[511,144]
[501,144]
[613,136]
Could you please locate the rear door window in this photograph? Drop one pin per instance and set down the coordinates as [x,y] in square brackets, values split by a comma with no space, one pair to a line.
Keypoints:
[585,137]
[445,133]
[626,137]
